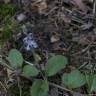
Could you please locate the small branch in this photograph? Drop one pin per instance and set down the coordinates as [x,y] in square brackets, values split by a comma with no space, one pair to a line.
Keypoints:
[20,89]
[85,63]
[27,62]
[3,86]
[83,50]
[60,87]
[6,65]
[94,7]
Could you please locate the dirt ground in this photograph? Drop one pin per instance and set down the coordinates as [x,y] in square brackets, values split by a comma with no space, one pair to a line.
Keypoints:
[59,27]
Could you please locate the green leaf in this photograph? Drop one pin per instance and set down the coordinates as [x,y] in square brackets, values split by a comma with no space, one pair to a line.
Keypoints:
[30,70]
[74,79]
[40,88]
[55,64]
[15,58]
[91,82]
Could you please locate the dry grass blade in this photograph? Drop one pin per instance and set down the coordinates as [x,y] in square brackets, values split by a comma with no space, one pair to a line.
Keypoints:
[81,5]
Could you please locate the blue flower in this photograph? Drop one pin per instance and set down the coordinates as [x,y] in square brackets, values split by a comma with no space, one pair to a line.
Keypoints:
[29,42]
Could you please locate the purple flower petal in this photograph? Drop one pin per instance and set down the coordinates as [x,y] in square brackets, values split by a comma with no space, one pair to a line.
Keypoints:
[29,42]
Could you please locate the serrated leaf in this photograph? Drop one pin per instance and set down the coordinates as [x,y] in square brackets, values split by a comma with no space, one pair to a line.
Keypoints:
[30,70]
[15,58]
[55,64]
[91,82]
[73,79]
[40,88]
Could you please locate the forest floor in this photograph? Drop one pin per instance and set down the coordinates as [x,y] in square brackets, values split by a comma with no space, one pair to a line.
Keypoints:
[58,27]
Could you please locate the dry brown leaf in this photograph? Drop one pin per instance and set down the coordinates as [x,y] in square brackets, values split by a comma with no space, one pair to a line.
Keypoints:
[39,5]
[42,6]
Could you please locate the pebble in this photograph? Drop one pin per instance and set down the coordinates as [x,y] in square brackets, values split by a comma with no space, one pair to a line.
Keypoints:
[54,38]
[20,17]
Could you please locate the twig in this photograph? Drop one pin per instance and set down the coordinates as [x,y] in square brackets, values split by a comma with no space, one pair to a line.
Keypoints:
[85,63]
[27,62]
[83,50]
[60,87]
[94,7]
[51,11]
[20,89]
[3,86]
[6,65]
[72,92]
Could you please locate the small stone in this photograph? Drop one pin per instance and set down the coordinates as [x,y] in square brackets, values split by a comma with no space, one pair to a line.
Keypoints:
[55,38]
[21,17]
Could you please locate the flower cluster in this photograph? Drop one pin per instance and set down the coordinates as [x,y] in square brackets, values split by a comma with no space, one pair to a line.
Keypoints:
[29,42]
